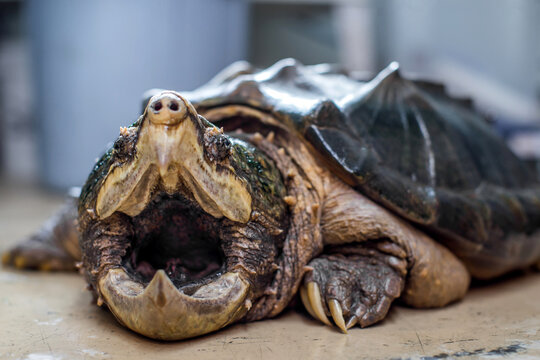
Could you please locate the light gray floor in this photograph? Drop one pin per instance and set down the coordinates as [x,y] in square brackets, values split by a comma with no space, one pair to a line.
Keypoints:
[50,316]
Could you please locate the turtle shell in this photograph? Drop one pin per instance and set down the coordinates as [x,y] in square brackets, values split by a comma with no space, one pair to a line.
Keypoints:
[407,145]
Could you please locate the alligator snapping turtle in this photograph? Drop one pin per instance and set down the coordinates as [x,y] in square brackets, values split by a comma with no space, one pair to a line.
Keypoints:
[221,204]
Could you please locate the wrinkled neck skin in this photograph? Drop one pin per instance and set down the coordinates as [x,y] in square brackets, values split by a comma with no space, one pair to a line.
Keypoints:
[306,184]
[185,230]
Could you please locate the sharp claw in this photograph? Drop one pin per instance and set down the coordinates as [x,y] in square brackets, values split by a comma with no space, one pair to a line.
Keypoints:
[314,296]
[337,314]
[360,312]
[352,321]
[305,301]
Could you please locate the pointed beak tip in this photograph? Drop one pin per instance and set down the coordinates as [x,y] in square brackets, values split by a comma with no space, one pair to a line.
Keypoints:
[161,311]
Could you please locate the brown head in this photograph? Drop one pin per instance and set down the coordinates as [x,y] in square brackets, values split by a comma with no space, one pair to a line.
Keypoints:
[179,235]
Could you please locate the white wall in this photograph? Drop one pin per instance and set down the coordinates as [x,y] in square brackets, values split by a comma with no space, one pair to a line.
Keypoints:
[489,49]
[94,59]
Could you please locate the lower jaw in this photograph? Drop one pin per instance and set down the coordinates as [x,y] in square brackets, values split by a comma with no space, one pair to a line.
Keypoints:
[161,311]
[173,283]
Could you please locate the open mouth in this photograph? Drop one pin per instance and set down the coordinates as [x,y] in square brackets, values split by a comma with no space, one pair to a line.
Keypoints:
[177,236]
[174,283]
[183,206]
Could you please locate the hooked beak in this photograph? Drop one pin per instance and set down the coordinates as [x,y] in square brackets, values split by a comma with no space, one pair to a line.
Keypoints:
[170,154]
[161,311]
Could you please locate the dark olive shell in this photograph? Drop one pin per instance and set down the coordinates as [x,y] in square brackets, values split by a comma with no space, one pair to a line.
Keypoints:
[407,145]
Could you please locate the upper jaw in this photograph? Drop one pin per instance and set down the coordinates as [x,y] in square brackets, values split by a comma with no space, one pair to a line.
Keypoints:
[170,152]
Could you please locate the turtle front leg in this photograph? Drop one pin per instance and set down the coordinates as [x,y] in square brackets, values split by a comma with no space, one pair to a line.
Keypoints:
[353,285]
[54,247]
[372,257]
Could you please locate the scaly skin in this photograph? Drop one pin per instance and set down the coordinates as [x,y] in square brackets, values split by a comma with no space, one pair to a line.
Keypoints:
[331,213]
[307,232]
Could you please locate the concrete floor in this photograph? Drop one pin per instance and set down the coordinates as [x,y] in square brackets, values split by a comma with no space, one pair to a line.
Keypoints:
[46,316]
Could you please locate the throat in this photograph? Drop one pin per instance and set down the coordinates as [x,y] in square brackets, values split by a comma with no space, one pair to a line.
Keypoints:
[176,236]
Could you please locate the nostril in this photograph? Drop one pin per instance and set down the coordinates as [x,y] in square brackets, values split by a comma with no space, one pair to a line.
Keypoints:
[157,106]
[173,105]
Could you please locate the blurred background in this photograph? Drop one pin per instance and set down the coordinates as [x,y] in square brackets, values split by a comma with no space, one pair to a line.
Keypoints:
[73,72]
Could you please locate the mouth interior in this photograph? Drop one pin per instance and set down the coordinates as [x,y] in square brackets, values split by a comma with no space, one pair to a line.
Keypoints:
[177,236]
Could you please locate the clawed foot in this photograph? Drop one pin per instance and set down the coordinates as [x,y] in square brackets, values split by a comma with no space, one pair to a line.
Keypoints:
[38,255]
[54,247]
[353,290]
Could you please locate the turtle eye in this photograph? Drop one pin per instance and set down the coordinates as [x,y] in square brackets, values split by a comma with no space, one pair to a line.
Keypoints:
[217,145]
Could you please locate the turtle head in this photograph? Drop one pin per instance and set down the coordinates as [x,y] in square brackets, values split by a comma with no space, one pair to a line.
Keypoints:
[176,149]
[194,257]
